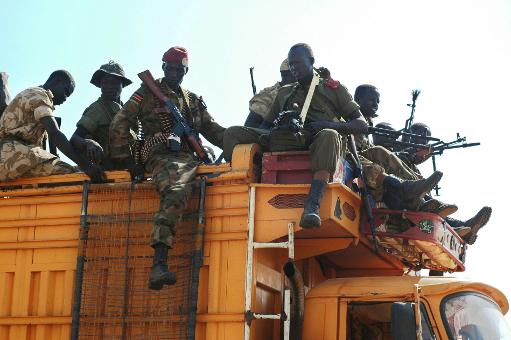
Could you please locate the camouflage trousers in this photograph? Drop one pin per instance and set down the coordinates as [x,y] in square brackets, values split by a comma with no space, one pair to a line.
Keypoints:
[18,160]
[326,148]
[378,161]
[172,174]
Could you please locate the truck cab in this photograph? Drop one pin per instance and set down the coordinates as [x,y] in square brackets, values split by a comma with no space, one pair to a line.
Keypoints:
[388,308]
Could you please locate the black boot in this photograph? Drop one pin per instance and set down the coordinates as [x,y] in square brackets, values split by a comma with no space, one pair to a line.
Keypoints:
[310,217]
[477,222]
[411,191]
[160,274]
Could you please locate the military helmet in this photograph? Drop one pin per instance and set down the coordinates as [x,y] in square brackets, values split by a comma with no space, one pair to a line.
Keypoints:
[112,68]
[284,66]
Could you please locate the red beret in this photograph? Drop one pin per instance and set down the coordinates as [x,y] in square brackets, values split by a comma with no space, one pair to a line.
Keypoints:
[176,55]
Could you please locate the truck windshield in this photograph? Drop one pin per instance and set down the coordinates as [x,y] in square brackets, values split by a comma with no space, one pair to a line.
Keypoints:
[471,316]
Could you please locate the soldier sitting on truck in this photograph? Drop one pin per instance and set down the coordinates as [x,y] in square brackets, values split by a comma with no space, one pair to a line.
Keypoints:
[260,104]
[172,171]
[404,165]
[466,229]
[92,130]
[332,112]
[26,121]
[385,141]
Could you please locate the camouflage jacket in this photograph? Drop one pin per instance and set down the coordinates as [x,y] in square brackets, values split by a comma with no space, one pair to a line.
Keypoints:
[20,120]
[328,103]
[261,102]
[143,106]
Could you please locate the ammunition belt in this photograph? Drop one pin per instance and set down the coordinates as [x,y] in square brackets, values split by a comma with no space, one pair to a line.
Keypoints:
[148,145]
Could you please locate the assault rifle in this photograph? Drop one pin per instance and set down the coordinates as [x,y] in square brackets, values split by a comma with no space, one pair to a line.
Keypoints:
[181,128]
[363,189]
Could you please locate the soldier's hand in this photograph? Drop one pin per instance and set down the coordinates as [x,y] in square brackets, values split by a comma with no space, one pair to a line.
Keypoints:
[93,150]
[96,173]
[422,155]
[136,172]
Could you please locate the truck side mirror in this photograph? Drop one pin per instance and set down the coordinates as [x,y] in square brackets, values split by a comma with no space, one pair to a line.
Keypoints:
[403,321]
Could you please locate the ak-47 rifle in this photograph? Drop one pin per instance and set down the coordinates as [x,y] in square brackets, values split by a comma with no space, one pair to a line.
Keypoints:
[254,90]
[363,189]
[409,121]
[181,128]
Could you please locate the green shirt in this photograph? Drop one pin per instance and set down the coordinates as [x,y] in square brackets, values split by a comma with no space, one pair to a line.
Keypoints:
[96,121]
[328,103]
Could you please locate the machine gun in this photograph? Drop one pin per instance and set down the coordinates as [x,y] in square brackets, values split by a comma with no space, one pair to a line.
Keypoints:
[409,121]
[433,147]
[181,128]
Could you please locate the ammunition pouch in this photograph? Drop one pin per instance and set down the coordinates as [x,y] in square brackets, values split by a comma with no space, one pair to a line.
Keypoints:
[170,140]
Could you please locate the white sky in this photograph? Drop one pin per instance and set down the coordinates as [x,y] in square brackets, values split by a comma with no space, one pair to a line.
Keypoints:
[457,52]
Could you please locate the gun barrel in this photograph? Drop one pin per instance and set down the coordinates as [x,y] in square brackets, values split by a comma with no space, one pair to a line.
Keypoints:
[385,132]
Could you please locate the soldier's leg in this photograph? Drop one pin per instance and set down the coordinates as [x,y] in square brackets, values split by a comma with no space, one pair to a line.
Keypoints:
[390,162]
[393,165]
[53,167]
[240,135]
[172,174]
[397,193]
[468,229]
[325,151]
[21,160]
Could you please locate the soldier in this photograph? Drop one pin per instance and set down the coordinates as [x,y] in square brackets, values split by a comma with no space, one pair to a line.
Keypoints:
[466,229]
[379,162]
[332,112]
[172,172]
[24,124]
[368,98]
[92,130]
[385,141]
[260,104]
[5,98]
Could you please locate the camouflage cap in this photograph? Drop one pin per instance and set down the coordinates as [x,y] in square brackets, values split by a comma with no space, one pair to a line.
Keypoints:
[284,66]
[113,69]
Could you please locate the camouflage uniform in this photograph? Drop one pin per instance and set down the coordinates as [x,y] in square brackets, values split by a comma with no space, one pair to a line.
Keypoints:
[329,103]
[21,137]
[5,98]
[96,120]
[262,101]
[172,172]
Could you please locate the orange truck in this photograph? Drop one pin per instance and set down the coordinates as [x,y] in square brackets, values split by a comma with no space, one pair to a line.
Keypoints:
[74,260]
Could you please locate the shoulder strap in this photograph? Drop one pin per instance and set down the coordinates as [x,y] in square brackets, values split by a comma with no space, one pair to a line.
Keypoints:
[108,109]
[310,94]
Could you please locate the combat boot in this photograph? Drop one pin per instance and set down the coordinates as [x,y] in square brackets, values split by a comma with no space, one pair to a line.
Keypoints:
[411,191]
[160,274]
[310,216]
[458,226]
[438,207]
[475,223]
